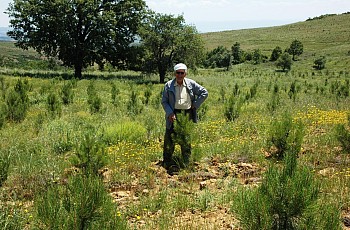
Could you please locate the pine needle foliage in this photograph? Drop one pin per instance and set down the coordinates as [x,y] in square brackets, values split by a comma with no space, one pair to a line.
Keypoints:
[82,203]
[183,128]
[233,108]
[342,134]
[90,155]
[94,100]
[285,137]
[67,93]
[17,101]
[286,199]
[4,167]
[54,105]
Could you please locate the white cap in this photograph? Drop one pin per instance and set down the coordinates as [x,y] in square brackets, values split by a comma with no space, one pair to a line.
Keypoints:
[180,66]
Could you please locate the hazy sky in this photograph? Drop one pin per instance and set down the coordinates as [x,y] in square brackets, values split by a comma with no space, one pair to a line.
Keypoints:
[218,15]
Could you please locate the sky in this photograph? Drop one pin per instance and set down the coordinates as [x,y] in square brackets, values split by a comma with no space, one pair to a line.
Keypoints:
[219,15]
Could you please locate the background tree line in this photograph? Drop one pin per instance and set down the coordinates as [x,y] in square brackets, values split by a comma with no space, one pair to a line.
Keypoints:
[222,57]
[122,33]
[126,35]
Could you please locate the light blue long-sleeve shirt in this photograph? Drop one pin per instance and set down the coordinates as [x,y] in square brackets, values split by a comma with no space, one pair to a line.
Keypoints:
[198,95]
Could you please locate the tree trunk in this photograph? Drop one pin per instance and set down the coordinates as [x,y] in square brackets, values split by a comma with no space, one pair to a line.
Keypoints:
[77,71]
[161,78]
[162,73]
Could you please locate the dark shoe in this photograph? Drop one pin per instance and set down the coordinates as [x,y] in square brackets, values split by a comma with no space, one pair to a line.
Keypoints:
[173,170]
[166,164]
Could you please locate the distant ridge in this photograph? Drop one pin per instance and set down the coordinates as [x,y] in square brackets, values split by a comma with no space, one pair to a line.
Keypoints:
[317,33]
[3,35]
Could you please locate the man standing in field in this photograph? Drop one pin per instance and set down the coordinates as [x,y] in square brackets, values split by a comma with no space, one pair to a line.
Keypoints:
[180,95]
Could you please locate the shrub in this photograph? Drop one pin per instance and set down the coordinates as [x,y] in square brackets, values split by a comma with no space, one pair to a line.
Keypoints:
[67,93]
[17,102]
[274,102]
[3,114]
[233,108]
[4,167]
[53,105]
[284,62]
[183,127]
[94,100]
[83,203]
[219,57]
[134,106]
[320,63]
[147,94]
[342,134]
[276,53]
[114,93]
[285,137]
[90,155]
[285,200]
[292,91]
[3,87]
[202,111]
[253,90]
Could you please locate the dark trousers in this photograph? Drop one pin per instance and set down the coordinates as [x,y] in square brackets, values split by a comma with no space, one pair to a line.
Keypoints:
[169,144]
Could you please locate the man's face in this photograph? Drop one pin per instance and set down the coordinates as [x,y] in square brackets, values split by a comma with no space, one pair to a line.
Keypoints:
[180,74]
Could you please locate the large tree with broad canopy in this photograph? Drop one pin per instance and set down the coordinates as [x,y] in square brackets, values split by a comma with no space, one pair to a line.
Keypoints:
[77,32]
[168,40]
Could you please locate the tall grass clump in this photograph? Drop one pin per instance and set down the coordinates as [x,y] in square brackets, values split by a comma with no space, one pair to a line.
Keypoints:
[285,137]
[128,131]
[286,199]
[82,203]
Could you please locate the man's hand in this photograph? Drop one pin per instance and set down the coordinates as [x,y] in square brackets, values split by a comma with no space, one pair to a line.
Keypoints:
[172,117]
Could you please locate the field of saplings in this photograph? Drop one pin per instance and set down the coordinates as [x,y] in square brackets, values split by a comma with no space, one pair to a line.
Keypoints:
[270,151]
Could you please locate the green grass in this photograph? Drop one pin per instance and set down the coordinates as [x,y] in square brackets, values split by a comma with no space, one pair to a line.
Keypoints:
[41,147]
[329,36]
[229,155]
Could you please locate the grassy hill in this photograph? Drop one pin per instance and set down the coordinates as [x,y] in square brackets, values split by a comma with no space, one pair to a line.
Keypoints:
[327,35]
[316,34]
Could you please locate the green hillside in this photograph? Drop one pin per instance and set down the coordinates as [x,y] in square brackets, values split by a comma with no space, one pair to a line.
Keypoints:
[316,34]
[14,57]
[327,35]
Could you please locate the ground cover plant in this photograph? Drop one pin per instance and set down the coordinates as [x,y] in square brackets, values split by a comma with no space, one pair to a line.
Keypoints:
[43,151]
[90,155]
